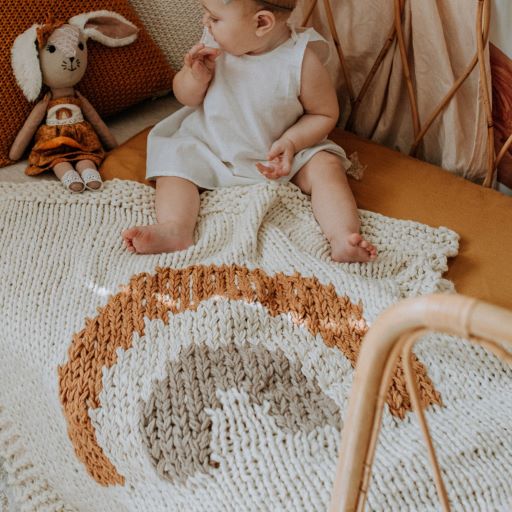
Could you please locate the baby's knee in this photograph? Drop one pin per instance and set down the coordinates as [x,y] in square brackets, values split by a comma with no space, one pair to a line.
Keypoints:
[328,160]
[323,166]
[326,166]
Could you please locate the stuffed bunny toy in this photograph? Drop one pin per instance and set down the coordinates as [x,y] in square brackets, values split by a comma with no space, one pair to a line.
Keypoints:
[67,128]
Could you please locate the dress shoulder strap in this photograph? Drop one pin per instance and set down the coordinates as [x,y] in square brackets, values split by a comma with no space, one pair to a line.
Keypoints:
[308,33]
[302,38]
[310,37]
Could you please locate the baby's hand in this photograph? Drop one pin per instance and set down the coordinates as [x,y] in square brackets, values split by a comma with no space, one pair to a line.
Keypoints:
[280,159]
[201,62]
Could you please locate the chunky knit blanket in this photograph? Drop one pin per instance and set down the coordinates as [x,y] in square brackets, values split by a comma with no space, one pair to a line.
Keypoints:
[217,378]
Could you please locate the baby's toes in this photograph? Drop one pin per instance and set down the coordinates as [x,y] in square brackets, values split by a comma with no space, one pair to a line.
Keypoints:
[372,251]
[368,247]
[129,236]
[130,233]
[355,239]
[128,244]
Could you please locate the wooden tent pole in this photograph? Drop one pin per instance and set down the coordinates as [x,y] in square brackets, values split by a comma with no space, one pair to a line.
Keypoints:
[406,69]
[337,43]
[369,78]
[442,105]
[309,12]
[503,150]
[483,19]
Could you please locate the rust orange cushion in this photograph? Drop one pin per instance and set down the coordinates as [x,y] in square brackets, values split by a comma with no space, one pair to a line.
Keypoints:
[115,78]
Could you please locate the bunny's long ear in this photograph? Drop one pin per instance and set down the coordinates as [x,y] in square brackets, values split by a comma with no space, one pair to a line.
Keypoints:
[25,63]
[106,27]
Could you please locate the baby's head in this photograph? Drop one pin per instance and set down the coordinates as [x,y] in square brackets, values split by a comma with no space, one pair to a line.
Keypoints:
[244,26]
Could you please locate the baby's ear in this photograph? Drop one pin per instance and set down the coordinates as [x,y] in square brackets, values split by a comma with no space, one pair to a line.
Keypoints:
[265,22]
[25,63]
[106,27]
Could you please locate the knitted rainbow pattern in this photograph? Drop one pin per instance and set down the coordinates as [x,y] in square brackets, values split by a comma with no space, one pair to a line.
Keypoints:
[217,378]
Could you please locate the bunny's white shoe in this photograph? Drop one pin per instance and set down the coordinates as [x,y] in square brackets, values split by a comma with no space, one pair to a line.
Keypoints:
[71,178]
[92,179]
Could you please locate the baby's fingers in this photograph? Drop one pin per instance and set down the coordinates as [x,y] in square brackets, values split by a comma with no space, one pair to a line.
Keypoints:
[209,52]
[209,56]
[268,172]
[193,53]
[203,55]
[286,167]
[264,169]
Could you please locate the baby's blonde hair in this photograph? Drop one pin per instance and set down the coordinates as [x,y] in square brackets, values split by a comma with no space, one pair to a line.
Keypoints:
[277,5]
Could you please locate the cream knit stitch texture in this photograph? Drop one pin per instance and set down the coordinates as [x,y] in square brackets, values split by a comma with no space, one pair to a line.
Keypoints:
[217,378]
[175,25]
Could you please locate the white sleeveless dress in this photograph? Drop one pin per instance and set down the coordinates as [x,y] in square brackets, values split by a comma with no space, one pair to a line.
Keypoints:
[251,101]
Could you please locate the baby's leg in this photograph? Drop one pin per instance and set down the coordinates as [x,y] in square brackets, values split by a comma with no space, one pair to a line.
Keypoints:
[177,208]
[334,207]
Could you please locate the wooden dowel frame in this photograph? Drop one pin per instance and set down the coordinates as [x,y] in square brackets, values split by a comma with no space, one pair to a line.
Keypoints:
[483,15]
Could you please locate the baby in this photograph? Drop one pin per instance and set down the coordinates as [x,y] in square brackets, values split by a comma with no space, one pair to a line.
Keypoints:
[259,105]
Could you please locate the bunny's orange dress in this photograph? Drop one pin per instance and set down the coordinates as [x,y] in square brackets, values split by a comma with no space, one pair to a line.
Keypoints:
[65,137]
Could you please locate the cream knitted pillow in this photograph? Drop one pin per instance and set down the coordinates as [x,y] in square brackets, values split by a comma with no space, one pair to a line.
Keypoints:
[175,25]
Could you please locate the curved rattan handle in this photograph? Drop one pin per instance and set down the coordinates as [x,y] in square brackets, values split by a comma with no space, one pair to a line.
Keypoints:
[393,333]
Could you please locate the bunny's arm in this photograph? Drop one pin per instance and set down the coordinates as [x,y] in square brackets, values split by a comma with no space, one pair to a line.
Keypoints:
[28,129]
[98,124]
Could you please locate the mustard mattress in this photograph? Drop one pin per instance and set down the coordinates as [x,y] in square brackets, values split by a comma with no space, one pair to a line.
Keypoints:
[405,188]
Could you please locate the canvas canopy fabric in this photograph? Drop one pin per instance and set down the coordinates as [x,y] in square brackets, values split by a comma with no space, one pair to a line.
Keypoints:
[440,41]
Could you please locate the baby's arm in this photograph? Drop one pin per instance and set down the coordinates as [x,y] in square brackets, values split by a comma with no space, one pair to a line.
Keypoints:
[321,109]
[191,82]
[321,112]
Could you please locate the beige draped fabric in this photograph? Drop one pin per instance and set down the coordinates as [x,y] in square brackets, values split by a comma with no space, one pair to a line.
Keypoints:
[440,40]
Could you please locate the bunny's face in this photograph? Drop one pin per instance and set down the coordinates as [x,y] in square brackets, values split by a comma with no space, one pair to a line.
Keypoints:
[63,58]
[55,53]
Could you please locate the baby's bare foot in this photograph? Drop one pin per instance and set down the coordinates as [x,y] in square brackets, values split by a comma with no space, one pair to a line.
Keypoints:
[352,248]
[158,238]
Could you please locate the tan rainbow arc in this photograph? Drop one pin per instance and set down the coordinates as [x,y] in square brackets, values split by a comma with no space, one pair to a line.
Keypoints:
[309,303]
